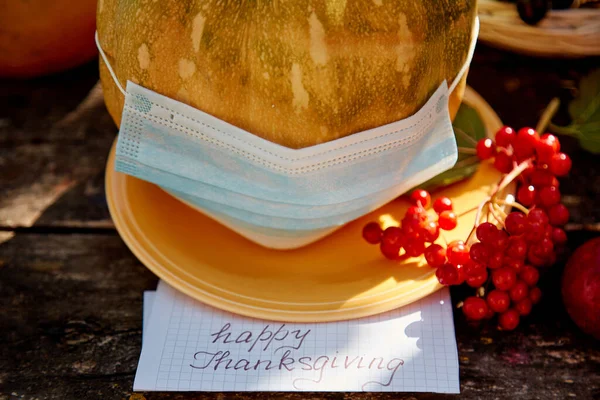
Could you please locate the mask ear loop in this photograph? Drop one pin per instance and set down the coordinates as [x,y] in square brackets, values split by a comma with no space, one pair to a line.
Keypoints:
[461,73]
[112,73]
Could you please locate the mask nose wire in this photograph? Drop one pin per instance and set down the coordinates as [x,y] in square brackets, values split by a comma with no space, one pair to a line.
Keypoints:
[112,72]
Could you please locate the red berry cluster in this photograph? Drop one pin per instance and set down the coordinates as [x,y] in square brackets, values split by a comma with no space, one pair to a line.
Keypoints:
[502,263]
[538,184]
[417,229]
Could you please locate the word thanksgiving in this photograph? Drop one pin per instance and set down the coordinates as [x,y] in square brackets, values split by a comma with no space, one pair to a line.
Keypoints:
[280,344]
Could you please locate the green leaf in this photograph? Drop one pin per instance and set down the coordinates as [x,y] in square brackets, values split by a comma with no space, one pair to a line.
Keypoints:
[585,114]
[468,129]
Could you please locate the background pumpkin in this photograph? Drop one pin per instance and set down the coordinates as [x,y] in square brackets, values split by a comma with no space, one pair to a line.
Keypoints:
[39,37]
[296,73]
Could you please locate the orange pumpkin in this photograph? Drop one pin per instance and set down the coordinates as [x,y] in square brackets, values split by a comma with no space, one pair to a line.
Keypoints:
[297,72]
[39,37]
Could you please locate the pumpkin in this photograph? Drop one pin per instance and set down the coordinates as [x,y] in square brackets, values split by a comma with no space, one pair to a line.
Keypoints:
[297,72]
[39,37]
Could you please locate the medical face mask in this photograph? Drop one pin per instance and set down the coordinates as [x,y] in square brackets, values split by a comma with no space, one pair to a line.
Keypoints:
[277,196]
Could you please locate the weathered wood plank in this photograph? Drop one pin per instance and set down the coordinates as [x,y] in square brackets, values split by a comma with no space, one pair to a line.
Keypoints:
[71,309]
[54,140]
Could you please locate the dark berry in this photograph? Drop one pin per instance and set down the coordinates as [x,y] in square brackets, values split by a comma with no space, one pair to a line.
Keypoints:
[508,320]
[475,308]
[498,300]
[372,233]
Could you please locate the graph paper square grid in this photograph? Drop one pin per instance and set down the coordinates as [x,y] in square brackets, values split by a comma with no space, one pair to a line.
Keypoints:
[187,348]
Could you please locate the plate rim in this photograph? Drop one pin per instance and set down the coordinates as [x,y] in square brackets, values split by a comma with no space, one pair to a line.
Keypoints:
[429,283]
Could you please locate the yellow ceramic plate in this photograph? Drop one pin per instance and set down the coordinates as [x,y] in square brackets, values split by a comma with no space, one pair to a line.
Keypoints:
[339,277]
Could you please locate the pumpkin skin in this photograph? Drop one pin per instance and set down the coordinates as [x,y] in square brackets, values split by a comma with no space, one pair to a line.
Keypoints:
[39,37]
[296,73]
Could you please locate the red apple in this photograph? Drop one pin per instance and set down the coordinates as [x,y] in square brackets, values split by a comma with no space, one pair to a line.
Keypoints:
[581,287]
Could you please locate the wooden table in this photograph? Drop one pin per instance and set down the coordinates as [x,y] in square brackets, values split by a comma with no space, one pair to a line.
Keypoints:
[71,291]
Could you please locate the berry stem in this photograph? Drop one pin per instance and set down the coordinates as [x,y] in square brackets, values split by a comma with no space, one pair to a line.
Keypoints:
[499,210]
[514,204]
[468,241]
[467,150]
[508,178]
[491,209]
[479,210]
[468,138]
[548,114]
[470,210]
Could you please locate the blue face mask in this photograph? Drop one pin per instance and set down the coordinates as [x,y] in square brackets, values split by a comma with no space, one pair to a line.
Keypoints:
[274,195]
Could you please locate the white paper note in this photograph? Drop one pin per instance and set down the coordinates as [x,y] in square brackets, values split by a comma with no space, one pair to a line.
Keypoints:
[189,346]
[148,302]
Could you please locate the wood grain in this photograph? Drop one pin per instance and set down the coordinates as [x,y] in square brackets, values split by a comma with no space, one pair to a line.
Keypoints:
[71,292]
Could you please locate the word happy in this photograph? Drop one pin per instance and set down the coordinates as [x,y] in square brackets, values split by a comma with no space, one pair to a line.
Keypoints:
[281,343]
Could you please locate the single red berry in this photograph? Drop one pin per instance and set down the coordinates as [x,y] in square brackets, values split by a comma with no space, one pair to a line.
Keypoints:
[524,306]
[535,295]
[421,198]
[504,278]
[392,236]
[517,248]
[458,253]
[411,227]
[449,274]
[479,252]
[500,240]
[431,231]
[519,291]
[485,149]
[416,213]
[527,195]
[474,268]
[559,236]
[435,255]
[414,248]
[526,142]
[515,223]
[560,164]
[515,265]
[496,260]
[535,232]
[530,275]
[498,300]
[548,231]
[485,232]
[546,147]
[475,308]
[544,248]
[538,215]
[503,162]
[505,136]
[549,196]
[442,204]
[534,259]
[508,320]
[372,233]
[447,220]
[558,215]
[477,280]
[541,177]
[390,251]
